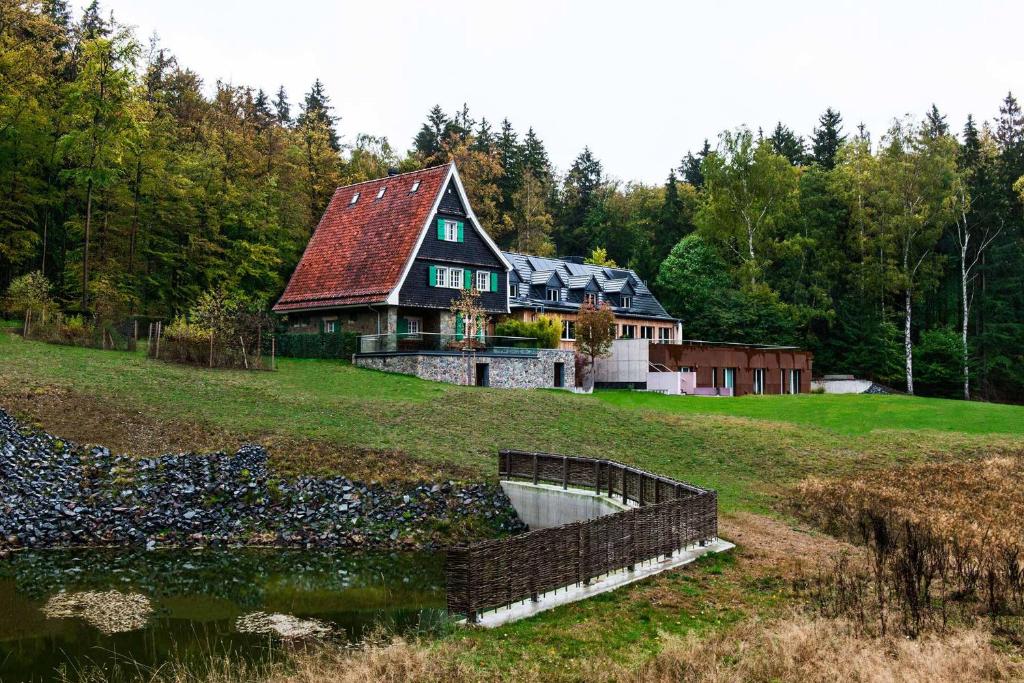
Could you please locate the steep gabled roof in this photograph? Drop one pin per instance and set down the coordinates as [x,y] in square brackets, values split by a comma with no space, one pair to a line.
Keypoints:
[358,253]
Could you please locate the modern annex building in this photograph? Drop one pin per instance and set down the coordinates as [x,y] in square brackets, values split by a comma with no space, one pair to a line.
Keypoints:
[390,256]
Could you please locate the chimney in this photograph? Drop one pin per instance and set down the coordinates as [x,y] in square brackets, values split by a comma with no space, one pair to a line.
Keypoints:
[392,171]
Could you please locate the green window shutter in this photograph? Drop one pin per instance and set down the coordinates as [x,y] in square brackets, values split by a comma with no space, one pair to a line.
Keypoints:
[433,276]
[440,228]
[494,282]
[403,326]
[460,326]
[462,237]
[468,277]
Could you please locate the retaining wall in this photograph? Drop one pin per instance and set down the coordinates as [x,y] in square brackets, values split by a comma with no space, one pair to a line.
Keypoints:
[505,371]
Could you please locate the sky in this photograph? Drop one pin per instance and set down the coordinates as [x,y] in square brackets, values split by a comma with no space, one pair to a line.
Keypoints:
[638,82]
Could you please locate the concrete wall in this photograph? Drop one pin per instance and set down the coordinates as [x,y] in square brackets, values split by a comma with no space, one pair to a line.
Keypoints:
[541,506]
[626,364]
[506,372]
[842,386]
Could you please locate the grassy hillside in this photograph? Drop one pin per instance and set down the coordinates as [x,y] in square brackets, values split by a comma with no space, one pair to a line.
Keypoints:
[326,415]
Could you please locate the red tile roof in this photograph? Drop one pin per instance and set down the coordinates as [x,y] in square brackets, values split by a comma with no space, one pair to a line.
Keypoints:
[358,252]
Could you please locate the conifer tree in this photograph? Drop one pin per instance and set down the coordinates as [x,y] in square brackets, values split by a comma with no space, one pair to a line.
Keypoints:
[788,144]
[827,138]
[427,143]
[690,168]
[316,114]
[282,109]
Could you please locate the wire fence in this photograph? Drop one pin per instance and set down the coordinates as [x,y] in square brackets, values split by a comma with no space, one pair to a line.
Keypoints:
[668,516]
[55,327]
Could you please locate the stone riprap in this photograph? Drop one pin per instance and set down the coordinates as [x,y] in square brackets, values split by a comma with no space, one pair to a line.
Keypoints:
[505,371]
[54,493]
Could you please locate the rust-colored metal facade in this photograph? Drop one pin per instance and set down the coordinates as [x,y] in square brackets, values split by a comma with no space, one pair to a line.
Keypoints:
[709,361]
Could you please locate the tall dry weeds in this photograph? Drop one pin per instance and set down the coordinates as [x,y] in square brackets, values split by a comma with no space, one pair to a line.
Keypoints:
[943,539]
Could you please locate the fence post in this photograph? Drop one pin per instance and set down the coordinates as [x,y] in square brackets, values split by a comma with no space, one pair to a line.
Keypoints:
[159,332]
[625,495]
[211,348]
[597,477]
[535,473]
[149,336]
[584,546]
[632,538]
[565,472]
[273,352]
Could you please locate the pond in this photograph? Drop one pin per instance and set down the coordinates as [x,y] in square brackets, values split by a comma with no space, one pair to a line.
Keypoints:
[119,610]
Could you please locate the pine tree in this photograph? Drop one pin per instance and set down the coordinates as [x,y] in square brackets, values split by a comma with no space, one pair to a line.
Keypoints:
[579,196]
[535,157]
[93,25]
[935,125]
[427,143]
[828,138]
[316,112]
[788,144]
[282,109]
[672,225]
[484,139]
[690,168]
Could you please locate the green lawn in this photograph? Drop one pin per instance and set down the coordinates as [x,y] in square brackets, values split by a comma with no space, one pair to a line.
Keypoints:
[844,414]
[746,448]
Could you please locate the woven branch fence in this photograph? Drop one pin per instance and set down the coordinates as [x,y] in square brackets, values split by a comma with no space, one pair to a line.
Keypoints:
[668,516]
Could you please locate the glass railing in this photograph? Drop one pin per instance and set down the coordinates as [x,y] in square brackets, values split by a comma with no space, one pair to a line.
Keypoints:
[408,342]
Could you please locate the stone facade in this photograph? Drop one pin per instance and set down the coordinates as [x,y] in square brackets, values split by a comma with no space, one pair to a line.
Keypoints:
[502,371]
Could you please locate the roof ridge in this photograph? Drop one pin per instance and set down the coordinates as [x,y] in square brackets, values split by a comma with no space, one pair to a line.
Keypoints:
[389,177]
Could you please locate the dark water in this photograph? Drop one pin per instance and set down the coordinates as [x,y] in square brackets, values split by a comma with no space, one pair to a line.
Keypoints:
[197,597]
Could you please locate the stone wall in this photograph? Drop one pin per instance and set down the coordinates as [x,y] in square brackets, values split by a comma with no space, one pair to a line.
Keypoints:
[505,372]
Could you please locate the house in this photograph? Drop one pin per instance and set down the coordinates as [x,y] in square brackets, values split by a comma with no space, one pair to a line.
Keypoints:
[388,259]
[558,287]
[391,255]
[705,368]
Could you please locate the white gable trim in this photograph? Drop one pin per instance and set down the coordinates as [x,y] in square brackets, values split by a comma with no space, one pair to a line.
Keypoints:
[392,299]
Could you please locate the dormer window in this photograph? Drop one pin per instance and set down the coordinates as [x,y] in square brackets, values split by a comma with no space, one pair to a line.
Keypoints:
[451,231]
[513,290]
[627,301]
[380,192]
[355,198]
[415,186]
[590,298]
[553,294]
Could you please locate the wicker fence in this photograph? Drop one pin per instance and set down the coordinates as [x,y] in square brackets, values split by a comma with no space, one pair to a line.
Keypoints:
[667,516]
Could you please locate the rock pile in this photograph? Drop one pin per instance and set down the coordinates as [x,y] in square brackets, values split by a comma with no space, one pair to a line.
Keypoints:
[56,494]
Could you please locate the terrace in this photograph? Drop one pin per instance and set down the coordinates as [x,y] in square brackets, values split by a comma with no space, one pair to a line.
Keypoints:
[432,343]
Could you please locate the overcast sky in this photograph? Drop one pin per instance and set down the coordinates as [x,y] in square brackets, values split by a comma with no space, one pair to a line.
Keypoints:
[639,82]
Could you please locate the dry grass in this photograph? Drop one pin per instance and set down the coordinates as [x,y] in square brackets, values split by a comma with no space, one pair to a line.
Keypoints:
[946,540]
[85,419]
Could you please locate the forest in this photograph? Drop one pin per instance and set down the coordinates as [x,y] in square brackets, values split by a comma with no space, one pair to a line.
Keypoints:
[895,255]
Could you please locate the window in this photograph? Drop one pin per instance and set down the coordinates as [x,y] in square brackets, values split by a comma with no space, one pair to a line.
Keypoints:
[729,378]
[627,301]
[794,381]
[483,280]
[456,278]
[414,326]
[590,298]
[629,331]
[453,278]
[664,334]
[381,191]
[553,294]
[330,326]
[355,198]
[568,330]
[513,291]
[451,231]
[647,332]
[415,186]
[759,380]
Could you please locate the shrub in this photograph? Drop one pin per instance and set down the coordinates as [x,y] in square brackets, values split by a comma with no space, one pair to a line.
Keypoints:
[545,330]
[28,293]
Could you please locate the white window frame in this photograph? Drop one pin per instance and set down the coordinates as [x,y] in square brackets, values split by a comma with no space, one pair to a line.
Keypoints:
[647,331]
[355,198]
[759,378]
[628,327]
[664,334]
[451,231]
[556,292]
[381,191]
[590,298]
[627,301]
[415,186]
[456,278]
[414,326]
[568,330]
[513,290]
[330,326]
[483,280]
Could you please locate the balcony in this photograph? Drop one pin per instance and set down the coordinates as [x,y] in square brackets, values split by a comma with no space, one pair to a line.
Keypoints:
[429,342]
